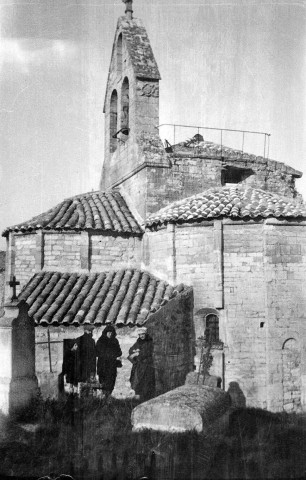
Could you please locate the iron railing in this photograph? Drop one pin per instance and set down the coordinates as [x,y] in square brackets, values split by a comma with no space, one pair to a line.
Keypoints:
[177,129]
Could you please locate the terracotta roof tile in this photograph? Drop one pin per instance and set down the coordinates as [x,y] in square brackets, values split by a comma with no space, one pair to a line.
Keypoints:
[123,297]
[236,201]
[95,210]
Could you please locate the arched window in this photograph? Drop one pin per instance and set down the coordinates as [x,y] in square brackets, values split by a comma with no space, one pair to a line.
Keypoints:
[113,121]
[291,366]
[212,329]
[119,54]
[125,105]
[206,323]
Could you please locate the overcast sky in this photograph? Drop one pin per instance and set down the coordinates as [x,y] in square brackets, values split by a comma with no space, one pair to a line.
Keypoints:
[223,64]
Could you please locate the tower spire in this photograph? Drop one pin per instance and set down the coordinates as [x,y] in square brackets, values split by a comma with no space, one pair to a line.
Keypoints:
[128,8]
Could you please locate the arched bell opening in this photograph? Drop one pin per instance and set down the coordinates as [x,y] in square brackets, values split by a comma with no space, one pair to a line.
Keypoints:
[125,107]
[119,54]
[113,121]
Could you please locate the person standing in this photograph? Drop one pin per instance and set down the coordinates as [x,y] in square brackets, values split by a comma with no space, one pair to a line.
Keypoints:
[87,354]
[142,374]
[71,363]
[108,352]
[79,361]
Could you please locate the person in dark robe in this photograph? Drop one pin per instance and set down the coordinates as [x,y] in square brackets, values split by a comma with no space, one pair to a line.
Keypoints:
[79,362]
[142,375]
[71,362]
[108,352]
[87,354]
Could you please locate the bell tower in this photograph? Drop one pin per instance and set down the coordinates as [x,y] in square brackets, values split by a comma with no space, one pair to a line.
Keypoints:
[131,110]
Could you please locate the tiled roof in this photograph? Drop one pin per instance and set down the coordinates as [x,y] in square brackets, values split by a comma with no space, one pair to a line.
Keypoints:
[95,210]
[123,297]
[234,201]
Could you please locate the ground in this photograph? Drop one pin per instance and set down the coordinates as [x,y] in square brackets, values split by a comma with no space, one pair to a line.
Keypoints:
[90,439]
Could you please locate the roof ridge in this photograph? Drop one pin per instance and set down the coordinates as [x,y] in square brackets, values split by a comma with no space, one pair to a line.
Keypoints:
[235,200]
[114,215]
[92,192]
[90,273]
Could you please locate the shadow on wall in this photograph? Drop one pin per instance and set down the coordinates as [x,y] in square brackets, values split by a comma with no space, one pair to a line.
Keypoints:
[237,396]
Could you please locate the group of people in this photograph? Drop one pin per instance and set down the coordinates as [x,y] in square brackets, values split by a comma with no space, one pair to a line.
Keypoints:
[84,359]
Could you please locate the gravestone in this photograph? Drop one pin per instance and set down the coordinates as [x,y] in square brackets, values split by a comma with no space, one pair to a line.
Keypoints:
[18,382]
[189,407]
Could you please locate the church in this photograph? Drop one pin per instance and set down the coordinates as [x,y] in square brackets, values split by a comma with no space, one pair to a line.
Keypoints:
[188,238]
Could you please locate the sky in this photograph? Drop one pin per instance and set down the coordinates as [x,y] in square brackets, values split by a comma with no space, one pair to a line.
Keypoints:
[226,64]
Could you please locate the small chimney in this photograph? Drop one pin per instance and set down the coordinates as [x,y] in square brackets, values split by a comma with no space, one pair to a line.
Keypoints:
[128,8]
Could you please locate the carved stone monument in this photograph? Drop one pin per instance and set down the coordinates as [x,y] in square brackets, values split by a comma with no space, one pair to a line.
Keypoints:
[18,382]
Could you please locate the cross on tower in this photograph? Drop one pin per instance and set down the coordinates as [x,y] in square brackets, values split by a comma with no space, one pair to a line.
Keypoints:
[13,284]
[128,8]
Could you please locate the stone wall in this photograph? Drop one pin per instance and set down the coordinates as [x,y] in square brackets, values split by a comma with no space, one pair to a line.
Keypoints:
[187,175]
[136,187]
[62,251]
[134,165]
[158,253]
[73,252]
[252,276]
[113,252]
[268,174]
[187,254]
[285,272]
[195,262]
[244,316]
[171,328]
[165,178]
[184,254]
[181,178]
[25,260]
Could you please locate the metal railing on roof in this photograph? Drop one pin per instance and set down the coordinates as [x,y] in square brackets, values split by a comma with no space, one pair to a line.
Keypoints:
[178,134]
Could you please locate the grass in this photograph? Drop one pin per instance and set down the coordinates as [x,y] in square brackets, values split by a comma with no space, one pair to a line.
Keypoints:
[89,439]
[262,445]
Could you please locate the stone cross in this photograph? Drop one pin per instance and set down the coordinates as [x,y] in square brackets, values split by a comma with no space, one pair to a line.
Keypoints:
[13,284]
[128,8]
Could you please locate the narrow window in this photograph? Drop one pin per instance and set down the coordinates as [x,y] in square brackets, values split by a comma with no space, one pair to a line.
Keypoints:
[119,54]
[113,121]
[125,106]
[212,329]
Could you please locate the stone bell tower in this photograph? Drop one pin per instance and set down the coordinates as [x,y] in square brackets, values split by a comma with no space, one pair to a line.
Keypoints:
[131,111]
